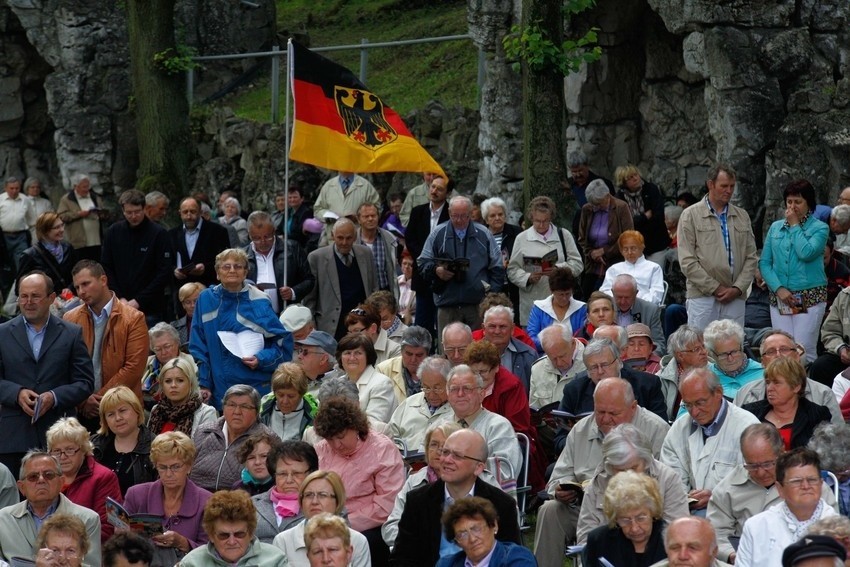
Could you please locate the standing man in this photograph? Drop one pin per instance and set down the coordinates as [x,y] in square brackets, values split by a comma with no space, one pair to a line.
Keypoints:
[196,243]
[156,206]
[342,195]
[580,178]
[717,252]
[80,210]
[266,255]
[116,337]
[424,219]
[415,197]
[17,217]
[137,258]
[384,247]
[345,276]
[299,211]
[44,363]
[461,261]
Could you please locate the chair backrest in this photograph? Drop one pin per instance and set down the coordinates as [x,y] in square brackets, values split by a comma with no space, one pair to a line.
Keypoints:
[666,289]
[522,487]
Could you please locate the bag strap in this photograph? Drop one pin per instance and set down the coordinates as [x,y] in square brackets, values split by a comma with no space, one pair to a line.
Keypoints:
[563,244]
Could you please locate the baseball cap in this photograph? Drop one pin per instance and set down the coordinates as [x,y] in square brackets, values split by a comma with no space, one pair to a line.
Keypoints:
[812,546]
[322,340]
[295,317]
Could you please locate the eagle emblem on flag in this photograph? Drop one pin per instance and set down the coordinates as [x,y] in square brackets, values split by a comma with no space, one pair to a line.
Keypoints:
[362,114]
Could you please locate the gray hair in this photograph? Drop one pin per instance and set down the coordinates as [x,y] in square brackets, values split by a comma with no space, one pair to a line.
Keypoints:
[622,335]
[162,328]
[463,369]
[499,310]
[836,527]
[233,201]
[242,390]
[33,180]
[596,191]
[625,279]
[438,364]
[673,213]
[38,454]
[341,222]
[487,204]
[599,346]
[832,442]
[724,329]
[682,337]
[205,208]
[712,382]
[766,432]
[155,197]
[841,215]
[769,332]
[259,218]
[338,386]
[576,158]
[456,326]
[418,337]
[459,199]
[78,178]
[555,331]
[719,168]
[622,445]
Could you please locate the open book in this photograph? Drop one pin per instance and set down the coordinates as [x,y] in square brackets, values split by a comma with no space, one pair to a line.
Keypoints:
[577,486]
[534,264]
[147,525]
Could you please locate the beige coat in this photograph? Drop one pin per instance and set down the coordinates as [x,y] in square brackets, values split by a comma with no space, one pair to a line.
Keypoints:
[376,395]
[331,199]
[387,349]
[412,419]
[836,325]
[547,384]
[392,369]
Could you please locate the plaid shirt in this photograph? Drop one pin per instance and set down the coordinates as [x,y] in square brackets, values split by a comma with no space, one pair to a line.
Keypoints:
[379,251]
[724,229]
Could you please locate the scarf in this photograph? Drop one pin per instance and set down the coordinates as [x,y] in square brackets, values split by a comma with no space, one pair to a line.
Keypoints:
[635,201]
[182,416]
[249,480]
[285,505]
[55,249]
[796,526]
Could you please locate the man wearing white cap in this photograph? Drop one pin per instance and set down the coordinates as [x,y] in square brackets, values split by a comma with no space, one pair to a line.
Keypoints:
[298,320]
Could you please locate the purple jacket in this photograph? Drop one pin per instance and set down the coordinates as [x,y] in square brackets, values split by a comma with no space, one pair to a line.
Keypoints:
[146,498]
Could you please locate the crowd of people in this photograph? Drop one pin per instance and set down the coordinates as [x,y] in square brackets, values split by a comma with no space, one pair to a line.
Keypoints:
[348,383]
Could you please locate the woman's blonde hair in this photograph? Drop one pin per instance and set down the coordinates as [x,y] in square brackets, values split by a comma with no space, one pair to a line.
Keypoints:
[174,444]
[326,526]
[67,524]
[71,430]
[334,480]
[628,491]
[290,376]
[113,398]
[186,368]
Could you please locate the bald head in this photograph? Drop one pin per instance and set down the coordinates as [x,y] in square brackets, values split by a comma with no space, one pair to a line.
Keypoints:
[473,441]
[690,541]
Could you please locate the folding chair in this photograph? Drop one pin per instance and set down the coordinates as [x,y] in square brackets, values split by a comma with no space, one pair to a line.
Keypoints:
[522,487]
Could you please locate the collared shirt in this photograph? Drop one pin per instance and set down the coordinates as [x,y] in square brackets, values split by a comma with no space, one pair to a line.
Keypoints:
[38,520]
[265,274]
[16,215]
[722,216]
[341,256]
[449,547]
[624,318]
[713,428]
[485,562]
[461,234]
[36,338]
[534,235]
[191,238]
[104,313]
[435,215]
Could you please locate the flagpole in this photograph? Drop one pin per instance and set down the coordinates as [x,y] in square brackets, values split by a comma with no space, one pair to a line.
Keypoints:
[286,166]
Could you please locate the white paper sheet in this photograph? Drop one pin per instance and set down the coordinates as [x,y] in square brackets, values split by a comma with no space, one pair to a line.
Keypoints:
[242,344]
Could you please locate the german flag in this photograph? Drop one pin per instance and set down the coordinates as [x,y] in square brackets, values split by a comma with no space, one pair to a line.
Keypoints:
[341,125]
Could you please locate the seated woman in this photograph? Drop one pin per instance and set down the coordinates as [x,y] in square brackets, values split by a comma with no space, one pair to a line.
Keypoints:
[386,305]
[230,521]
[123,443]
[687,351]
[289,409]
[370,466]
[646,203]
[356,354]
[366,319]
[600,311]
[86,482]
[472,524]
[327,539]
[252,455]
[321,493]
[188,297]
[406,293]
[278,508]
[165,345]
[785,404]
[62,541]
[559,307]
[632,536]
[174,497]
[648,275]
[732,365]
[180,407]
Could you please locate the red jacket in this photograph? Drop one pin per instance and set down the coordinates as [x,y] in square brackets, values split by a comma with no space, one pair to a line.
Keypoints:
[94,482]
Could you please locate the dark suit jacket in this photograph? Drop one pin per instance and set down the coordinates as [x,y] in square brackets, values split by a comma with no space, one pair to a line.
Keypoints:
[419,528]
[64,367]
[418,229]
[212,239]
[299,276]
[298,217]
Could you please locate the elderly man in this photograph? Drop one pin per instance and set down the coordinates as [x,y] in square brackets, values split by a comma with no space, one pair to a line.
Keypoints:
[780,344]
[402,370]
[384,246]
[196,243]
[517,356]
[340,196]
[703,446]
[456,337]
[156,206]
[690,542]
[687,351]
[632,309]
[315,353]
[562,362]
[717,252]
[298,320]
[17,217]
[41,485]
[842,239]
[415,414]
[835,336]
[614,403]
[725,342]
[462,262]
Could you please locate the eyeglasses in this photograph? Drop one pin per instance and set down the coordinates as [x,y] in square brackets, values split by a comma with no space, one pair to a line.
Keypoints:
[435,390]
[475,530]
[319,495]
[601,367]
[224,536]
[24,299]
[627,522]
[728,354]
[244,407]
[305,351]
[163,348]
[435,446]
[231,267]
[696,350]
[798,482]
[752,467]
[66,553]
[444,453]
[173,469]
[262,238]
[294,475]
[699,404]
[781,351]
[454,350]
[64,453]
[48,476]
[455,390]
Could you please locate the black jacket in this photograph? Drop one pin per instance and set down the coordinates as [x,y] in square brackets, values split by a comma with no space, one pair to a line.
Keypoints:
[808,416]
[37,257]
[418,229]
[654,230]
[142,467]
[212,239]
[615,547]
[299,276]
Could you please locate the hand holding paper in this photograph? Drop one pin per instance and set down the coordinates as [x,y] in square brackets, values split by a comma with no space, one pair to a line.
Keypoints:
[243,344]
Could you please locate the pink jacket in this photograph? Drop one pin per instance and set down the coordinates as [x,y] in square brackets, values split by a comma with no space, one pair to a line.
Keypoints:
[94,482]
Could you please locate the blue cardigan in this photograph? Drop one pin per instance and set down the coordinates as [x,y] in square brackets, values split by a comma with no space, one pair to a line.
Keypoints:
[793,256]
[504,555]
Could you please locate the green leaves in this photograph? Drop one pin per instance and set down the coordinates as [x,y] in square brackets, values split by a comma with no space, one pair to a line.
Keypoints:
[176,61]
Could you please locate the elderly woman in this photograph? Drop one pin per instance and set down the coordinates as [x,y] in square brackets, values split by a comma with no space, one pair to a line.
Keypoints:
[494,214]
[600,311]
[50,254]
[472,524]
[435,437]
[406,293]
[180,408]
[62,540]
[687,351]
[288,410]
[86,482]
[165,345]
[321,493]
[217,442]
[230,521]
[648,275]
[421,410]
[792,266]
[603,219]
[632,536]
[785,404]
[327,539]
[231,217]
[253,456]
[527,269]
[188,296]
[366,319]
[80,210]
[385,303]
[279,508]
[357,356]
[725,342]
[832,442]
[646,204]
[173,496]
[625,448]
[240,311]
[836,527]
[559,307]
[403,371]
[123,443]
[370,466]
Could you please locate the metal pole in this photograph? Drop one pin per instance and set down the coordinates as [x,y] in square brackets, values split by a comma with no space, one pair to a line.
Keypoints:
[286,141]
[275,84]
[364,59]
[190,86]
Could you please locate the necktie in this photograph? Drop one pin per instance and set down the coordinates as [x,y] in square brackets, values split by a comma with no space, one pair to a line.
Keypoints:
[463,423]
[345,182]
[346,258]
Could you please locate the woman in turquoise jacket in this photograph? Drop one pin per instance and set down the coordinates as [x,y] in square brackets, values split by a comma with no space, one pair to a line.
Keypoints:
[792,266]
